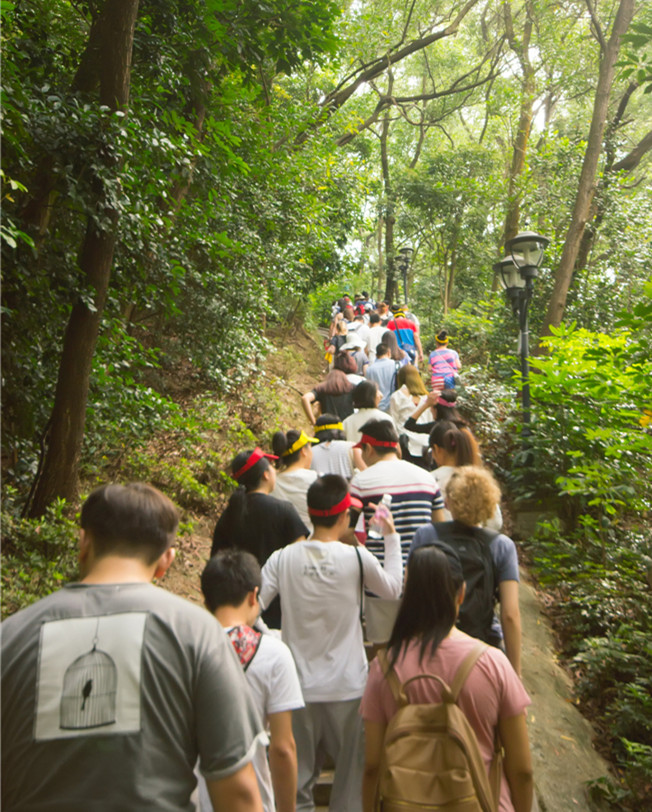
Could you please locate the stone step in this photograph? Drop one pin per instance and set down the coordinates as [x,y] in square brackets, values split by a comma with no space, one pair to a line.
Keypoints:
[322,791]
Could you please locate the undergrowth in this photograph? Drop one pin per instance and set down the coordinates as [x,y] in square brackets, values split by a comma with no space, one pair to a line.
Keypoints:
[602,611]
[185,452]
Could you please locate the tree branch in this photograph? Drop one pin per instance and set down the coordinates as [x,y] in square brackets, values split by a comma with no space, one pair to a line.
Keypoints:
[633,158]
[596,26]
[371,70]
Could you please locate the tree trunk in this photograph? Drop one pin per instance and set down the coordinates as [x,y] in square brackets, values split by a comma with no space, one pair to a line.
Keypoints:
[59,473]
[586,187]
[390,268]
[521,48]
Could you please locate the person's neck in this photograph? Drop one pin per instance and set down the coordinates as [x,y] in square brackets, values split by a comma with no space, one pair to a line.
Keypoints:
[232,616]
[113,569]
[388,457]
[448,461]
[328,533]
[296,466]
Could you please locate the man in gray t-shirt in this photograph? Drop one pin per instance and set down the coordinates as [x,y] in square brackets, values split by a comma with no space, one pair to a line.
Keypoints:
[112,688]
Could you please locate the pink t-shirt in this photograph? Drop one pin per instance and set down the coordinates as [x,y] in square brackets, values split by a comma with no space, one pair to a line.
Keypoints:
[491,691]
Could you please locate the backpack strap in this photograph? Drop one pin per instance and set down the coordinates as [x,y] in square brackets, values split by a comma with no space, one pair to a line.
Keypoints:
[465,669]
[496,769]
[357,552]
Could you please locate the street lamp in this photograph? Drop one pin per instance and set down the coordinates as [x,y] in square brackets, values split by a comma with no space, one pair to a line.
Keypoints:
[402,262]
[517,272]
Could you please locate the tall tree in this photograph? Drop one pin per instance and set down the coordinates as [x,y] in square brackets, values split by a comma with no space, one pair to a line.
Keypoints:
[107,58]
[521,47]
[586,187]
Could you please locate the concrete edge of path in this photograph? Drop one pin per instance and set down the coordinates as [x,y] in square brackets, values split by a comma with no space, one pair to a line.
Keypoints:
[561,739]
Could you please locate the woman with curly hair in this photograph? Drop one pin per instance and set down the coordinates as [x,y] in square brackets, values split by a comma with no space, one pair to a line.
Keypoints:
[472,495]
[452,447]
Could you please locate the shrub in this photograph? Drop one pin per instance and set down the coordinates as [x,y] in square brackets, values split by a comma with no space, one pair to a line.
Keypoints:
[39,555]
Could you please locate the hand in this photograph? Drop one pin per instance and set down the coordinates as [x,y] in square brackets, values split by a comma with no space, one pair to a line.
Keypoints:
[433,397]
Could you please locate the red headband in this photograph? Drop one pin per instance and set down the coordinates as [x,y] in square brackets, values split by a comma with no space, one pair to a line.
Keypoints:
[366,438]
[348,501]
[256,455]
[444,402]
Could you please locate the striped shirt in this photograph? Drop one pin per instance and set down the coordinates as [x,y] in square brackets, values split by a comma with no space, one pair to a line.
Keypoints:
[415,494]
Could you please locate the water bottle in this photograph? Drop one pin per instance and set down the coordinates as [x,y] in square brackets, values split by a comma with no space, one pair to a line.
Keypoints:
[375,530]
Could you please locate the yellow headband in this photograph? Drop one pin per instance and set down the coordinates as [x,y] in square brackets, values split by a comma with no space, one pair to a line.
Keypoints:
[333,426]
[301,440]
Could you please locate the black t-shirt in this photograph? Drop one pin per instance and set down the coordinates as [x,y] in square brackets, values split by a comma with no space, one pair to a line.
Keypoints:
[267,525]
[335,394]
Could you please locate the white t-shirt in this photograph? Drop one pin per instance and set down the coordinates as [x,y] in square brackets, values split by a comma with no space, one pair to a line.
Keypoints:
[373,340]
[401,406]
[352,423]
[274,683]
[292,486]
[333,457]
[319,585]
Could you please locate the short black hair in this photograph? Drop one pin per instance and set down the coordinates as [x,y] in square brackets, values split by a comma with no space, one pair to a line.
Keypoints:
[383,349]
[364,395]
[381,430]
[134,520]
[374,318]
[228,577]
[324,493]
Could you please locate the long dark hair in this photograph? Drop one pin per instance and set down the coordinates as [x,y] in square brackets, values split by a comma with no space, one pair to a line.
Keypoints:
[389,340]
[449,412]
[456,440]
[248,482]
[428,610]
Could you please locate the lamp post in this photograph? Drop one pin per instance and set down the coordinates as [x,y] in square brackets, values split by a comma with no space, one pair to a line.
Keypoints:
[517,272]
[402,262]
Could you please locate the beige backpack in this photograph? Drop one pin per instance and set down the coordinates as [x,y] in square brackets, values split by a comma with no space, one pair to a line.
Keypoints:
[431,758]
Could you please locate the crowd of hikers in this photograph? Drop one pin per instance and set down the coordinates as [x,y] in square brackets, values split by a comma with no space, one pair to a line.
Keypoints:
[369,608]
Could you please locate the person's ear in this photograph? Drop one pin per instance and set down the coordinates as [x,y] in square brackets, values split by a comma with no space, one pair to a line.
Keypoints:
[165,562]
[85,547]
[252,597]
[461,594]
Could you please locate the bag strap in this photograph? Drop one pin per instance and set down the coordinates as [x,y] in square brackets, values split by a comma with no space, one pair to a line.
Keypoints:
[397,334]
[465,669]
[496,769]
[357,552]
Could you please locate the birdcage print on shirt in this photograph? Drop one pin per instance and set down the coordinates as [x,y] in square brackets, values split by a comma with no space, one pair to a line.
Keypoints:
[89,690]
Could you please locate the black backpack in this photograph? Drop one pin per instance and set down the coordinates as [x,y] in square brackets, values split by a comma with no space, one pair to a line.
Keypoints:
[472,545]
